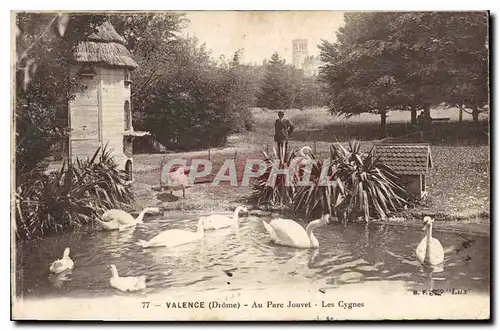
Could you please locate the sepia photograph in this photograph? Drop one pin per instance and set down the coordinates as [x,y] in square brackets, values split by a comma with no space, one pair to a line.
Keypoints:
[246,165]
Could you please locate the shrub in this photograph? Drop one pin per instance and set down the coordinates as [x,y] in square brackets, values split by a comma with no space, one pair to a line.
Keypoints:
[353,184]
[248,120]
[372,187]
[75,195]
[279,193]
[317,197]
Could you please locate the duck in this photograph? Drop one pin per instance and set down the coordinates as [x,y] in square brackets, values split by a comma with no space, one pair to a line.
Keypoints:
[64,264]
[287,232]
[214,222]
[174,237]
[117,219]
[429,251]
[177,180]
[124,284]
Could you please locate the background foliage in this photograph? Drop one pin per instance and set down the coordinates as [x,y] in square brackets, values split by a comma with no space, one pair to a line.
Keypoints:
[385,61]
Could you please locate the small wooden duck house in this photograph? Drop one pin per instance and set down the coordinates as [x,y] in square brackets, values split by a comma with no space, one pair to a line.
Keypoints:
[411,162]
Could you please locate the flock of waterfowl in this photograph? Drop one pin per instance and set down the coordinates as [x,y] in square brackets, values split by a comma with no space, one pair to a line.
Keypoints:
[284,232]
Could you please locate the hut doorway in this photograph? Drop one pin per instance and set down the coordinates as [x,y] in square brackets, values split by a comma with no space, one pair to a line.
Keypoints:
[128,116]
[128,169]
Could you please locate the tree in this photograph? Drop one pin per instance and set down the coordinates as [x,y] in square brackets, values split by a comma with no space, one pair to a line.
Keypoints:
[153,40]
[198,102]
[402,61]
[359,69]
[467,43]
[445,52]
[44,49]
[276,91]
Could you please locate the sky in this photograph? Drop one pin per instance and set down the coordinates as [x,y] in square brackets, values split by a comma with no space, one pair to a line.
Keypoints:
[261,33]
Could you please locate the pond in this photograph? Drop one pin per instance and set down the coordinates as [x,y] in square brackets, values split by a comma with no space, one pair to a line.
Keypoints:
[244,258]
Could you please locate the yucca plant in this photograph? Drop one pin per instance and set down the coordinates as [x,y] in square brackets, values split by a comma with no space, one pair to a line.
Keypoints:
[371,186]
[73,196]
[320,189]
[276,193]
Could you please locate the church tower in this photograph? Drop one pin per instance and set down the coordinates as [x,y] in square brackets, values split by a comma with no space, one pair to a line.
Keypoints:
[300,52]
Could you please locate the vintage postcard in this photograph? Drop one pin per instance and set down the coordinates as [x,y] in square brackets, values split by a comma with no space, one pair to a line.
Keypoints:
[250,165]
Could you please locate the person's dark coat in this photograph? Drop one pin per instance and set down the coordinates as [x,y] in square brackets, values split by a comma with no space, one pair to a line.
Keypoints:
[282,128]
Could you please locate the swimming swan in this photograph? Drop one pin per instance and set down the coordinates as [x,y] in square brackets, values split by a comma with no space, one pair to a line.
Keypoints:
[214,222]
[286,232]
[117,219]
[66,263]
[125,284]
[429,251]
[174,237]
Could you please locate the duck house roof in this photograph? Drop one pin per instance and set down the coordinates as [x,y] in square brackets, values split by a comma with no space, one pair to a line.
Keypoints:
[404,158]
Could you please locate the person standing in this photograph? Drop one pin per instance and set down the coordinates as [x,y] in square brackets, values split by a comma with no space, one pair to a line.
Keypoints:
[282,130]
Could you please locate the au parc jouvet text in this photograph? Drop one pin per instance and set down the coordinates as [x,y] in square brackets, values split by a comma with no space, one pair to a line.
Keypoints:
[264,304]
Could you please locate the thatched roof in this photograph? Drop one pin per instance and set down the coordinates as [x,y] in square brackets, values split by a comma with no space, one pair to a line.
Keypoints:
[105,46]
[107,33]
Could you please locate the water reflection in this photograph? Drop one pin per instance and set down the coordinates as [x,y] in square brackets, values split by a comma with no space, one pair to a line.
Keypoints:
[244,257]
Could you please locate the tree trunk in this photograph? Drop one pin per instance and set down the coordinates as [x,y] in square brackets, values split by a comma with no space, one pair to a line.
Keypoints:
[461,113]
[383,121]
[427,111]
[475,114]
[413,115]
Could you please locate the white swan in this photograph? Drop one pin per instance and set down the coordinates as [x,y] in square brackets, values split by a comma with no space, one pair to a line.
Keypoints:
[117,219]
[125,284]
[429,251]
[286,232]
[66,263]
[174,237]
[214,222]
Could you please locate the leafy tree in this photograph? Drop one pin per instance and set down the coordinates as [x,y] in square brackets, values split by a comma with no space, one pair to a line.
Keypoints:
[153,40]
[44,49]
[383,61]
[276,90]
[179,94]
[198,102]
[360,67]
[444,52]
[467,43]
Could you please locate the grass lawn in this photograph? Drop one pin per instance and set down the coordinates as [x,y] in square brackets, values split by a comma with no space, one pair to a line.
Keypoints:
[458,185]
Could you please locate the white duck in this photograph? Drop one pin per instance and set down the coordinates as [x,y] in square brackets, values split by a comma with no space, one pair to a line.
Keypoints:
[124,284]
[117,219]
[214,222]
[286,232]
[177,180]
[174,237]
[429,251]
[66,263]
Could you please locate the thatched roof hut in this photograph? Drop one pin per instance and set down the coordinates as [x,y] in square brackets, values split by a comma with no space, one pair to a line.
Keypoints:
[105,46]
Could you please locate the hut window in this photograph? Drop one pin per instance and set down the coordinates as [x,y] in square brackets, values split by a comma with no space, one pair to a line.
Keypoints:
[126,77]
[128,116]
[424,188]
[86,71]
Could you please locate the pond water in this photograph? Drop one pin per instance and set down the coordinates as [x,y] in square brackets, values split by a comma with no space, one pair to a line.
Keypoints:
[244,258]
